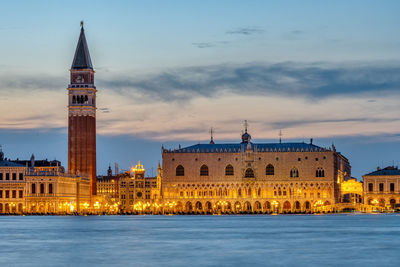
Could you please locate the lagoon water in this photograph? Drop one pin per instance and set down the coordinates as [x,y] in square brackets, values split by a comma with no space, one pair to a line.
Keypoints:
[286,240]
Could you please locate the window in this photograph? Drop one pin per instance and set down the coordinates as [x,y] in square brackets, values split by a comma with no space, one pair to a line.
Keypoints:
[370,187]
[7,194]
[14,176]
[21,176]
[73,99]
[204,170]
[41,188]
[20,193]
[381,187]
[14,194]
[294,172]
[7,176]
[229,170]
[1,193]
[180,171]
[269,170]
[50,188]
[320,172]
[1,176]
[249,173]
[392,187]
[33,189]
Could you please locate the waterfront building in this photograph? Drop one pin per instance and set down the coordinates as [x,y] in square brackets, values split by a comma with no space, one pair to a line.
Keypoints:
[252,177]
[382,188]
[40,187]
[56,192]
[108,187]
[82,114]
[139,193]
[12,186]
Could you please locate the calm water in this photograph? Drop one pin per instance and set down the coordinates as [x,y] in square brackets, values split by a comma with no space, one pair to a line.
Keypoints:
[328,240]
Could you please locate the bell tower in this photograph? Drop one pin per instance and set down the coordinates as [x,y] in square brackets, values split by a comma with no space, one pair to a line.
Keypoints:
[82,114]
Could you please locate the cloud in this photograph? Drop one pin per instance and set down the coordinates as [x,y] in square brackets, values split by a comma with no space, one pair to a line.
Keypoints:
[246,31]
[318,100]
[313,81]
[204,45]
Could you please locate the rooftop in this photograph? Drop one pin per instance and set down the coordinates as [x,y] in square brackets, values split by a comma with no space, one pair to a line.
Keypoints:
[262,147]
[389,171]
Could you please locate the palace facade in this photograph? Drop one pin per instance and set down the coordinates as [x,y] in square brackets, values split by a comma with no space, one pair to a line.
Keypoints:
[252,177]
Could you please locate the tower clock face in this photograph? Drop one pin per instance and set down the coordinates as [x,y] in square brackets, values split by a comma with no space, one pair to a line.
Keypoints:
[79,79]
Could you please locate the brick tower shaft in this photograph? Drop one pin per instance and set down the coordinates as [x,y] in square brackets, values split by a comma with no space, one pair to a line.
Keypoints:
[82,115]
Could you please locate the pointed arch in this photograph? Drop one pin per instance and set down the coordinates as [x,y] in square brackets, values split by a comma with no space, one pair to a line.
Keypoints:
[269,170]
[180,171]
[204,170]
[294,172]
[229,171]
[249,173]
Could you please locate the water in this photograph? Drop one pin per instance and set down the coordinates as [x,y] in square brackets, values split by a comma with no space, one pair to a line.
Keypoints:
[304,240]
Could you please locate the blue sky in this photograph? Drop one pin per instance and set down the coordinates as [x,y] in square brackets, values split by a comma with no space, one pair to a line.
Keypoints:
[167,71]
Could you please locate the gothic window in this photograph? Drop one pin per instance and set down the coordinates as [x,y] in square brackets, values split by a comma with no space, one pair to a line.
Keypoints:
[294,172]
[204,170]
[86,99]
[320,172]
[180,171]
[269,170]
[229,170]
[73,99]
[82,99]
[249,173]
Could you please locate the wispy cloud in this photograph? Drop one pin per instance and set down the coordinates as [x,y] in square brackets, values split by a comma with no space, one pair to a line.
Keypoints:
[246,31]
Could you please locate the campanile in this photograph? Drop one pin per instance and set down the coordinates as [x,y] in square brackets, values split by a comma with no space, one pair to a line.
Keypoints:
[82,114]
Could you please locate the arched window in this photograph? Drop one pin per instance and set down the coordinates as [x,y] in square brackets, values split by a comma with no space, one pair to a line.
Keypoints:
[86,99]
[180,171]
[269,170]
[33,189]
[249,173]
[81,99]
[204,170]
[320,172]
[73,99]
[294,172]
[229,170]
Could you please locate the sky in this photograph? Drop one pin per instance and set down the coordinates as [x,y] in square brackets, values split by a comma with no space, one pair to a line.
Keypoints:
[168,71]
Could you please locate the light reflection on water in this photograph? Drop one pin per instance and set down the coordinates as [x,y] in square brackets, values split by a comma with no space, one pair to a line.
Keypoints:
[287,240]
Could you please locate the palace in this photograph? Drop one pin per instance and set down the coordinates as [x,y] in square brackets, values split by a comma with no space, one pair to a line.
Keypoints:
[253,177]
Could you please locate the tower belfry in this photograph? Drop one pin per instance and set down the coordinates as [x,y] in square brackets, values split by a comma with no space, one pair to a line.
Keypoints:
[82,114]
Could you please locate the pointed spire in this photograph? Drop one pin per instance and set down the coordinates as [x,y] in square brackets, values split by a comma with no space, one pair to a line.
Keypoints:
[212,137]
[82,57]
